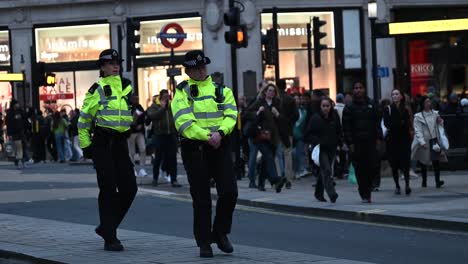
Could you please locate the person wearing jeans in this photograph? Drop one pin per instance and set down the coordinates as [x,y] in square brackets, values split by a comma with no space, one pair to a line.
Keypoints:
[164,138]
[324,130]
[266,137]
[59,128]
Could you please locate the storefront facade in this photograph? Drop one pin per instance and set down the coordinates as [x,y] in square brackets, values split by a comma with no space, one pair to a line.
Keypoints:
[69,42]
[433,63]
[68,51]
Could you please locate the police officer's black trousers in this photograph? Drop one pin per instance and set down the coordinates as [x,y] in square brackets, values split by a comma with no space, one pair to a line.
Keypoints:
[202,163]
[364,161]
[116,179]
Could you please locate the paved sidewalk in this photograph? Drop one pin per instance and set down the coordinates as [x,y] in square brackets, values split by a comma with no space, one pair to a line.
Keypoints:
[59,242]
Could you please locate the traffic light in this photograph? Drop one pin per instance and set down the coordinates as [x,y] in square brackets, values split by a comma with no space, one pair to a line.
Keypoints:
[237,34]
[317,35]
[133,38]
[50,79]
[270,47]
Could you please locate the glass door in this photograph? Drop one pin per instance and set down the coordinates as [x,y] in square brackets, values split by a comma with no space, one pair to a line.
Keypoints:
[151,80]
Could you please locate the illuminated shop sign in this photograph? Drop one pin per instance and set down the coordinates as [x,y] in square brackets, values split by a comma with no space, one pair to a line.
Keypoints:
[4,48]
[428,26]
[292,28]
[73,43]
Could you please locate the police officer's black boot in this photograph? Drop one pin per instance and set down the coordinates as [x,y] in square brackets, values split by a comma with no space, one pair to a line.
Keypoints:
[110,244]
[223,243]
[206,251]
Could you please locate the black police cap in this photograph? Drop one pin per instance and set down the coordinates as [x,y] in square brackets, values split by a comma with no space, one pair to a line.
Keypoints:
[108,55]
[195,58]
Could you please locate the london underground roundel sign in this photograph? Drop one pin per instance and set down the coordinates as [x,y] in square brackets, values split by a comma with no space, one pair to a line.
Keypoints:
[180,35]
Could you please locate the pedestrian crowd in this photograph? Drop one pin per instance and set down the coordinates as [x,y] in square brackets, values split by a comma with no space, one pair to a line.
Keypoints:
[349,137]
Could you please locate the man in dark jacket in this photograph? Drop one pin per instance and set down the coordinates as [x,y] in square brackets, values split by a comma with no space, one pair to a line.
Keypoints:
[289,115]
[164,138]
[362,132]
[15,122]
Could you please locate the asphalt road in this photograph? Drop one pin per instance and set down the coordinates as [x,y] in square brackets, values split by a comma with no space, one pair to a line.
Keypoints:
[259,228]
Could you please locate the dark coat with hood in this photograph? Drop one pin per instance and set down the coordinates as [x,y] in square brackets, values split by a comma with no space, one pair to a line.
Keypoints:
[325,131]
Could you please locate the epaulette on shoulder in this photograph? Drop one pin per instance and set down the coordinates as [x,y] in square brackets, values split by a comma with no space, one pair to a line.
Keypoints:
[93,88]
[181,85]
[125,82]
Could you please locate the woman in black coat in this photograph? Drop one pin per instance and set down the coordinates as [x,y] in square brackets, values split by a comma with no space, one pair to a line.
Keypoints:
[324,128]
[398,121]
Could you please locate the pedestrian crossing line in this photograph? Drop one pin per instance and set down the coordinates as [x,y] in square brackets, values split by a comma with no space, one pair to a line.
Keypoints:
[263,199]
[372,211]
[165,193]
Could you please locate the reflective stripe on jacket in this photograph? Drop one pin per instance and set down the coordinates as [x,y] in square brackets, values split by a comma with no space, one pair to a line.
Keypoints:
[109,110]
[196,116]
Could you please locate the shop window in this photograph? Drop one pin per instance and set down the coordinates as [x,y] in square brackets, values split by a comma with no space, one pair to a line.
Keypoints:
[151,80]
[71,43]
[151,44]
[292,44]
[69,91]
[4,48]
[5,95]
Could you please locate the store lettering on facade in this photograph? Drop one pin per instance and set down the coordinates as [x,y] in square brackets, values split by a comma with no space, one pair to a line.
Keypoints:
[422,70]
[63,89]
[76,43]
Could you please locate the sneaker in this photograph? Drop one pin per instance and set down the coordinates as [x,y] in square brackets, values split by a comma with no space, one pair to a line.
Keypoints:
[366,201]
[168,178]
[136,173]
[142,173]
[413,174]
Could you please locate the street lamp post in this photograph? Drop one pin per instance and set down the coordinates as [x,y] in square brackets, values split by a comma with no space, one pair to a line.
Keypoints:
[23,71]
[372,13]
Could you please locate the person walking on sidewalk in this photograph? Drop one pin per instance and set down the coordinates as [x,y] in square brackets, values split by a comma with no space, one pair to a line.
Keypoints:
[205,114]
[137,136]
[398,120]
[59,128]
[264,137]
[15,123]
[107,102]
[362,133]
[164,138]
[324,129]
[289,115]
[425,142]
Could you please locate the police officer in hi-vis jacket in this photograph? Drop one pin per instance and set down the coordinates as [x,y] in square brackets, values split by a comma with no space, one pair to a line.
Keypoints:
[205,114]
[106,113]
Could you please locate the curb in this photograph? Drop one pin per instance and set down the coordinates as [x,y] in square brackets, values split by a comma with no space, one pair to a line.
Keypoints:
[16,257]
[406,221]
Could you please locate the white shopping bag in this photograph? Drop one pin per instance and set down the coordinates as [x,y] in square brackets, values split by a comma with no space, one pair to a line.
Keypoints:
[316,155]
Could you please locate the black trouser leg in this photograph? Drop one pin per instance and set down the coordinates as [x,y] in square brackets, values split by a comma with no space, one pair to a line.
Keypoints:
[158,156]
[423,172]
[395,175]
[326,162]
[194,159]
[436,166]
[116,180]
[364,159]
[226,186]
[171,156]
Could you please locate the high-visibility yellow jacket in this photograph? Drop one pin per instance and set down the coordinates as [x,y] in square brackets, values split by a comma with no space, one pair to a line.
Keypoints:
[106,103]
[196,115]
